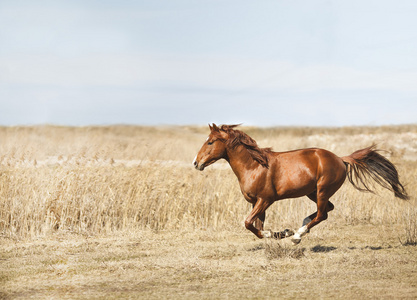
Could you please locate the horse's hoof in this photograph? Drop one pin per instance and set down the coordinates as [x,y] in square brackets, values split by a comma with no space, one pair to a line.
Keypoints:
[296,239]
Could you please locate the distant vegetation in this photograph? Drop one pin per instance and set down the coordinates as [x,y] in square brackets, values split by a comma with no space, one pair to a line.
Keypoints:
[104,179]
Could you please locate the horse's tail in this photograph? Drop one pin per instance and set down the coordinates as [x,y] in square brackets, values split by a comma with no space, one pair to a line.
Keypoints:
[369,163]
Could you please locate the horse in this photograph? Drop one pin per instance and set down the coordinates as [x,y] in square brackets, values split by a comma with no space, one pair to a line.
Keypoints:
[266,176]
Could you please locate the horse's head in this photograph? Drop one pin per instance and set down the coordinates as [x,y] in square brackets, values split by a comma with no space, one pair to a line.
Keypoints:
[213,149]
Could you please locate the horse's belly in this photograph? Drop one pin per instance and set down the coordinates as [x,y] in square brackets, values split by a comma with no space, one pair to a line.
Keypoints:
[295,193]
[296,186]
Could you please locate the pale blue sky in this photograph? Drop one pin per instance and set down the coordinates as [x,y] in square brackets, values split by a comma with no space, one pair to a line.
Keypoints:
[264,63]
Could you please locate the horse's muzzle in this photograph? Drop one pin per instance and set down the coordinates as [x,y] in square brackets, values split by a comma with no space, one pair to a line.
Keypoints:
[198,166]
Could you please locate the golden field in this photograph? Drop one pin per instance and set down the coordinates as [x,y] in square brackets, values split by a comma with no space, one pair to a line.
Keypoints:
[119,212]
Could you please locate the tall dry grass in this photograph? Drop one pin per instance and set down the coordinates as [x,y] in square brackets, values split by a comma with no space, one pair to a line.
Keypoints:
[102,179]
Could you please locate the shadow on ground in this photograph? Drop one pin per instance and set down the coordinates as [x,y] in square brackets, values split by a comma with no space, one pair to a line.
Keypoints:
[320,249]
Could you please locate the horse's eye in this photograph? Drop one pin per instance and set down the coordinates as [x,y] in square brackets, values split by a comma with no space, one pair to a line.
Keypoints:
[210,143]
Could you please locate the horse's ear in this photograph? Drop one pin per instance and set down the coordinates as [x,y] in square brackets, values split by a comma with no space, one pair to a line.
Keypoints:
[211,128]
[215,128]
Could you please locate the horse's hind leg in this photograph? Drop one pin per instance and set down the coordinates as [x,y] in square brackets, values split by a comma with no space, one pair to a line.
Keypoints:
[323,207]
[313,197]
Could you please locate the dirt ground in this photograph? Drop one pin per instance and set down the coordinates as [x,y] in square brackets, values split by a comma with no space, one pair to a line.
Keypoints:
[343,262]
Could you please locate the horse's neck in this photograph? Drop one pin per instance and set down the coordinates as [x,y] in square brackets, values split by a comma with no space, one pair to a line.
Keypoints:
[241,161]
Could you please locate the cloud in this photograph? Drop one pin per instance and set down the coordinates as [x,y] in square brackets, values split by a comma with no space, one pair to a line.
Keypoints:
[210,73]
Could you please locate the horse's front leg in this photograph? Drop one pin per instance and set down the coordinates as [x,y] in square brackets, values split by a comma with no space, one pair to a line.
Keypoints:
[259,221]
[258,213]
[258,217]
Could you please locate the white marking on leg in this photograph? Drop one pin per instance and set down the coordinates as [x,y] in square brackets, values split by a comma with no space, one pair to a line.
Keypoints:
[195,158]
[267,234]
[303,230]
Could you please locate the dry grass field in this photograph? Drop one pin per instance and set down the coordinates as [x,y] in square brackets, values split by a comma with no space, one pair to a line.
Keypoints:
[119,212]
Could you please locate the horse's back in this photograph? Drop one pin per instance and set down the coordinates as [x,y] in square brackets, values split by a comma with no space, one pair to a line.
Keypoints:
[309,156]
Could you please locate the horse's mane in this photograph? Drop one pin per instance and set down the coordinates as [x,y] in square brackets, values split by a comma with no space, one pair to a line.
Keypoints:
[237,137]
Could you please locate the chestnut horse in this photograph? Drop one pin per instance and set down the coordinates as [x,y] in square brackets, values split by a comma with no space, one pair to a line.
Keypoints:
[266,176]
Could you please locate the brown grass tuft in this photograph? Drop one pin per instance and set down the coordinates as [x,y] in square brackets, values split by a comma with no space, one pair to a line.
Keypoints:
[410,227]
[279,250]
